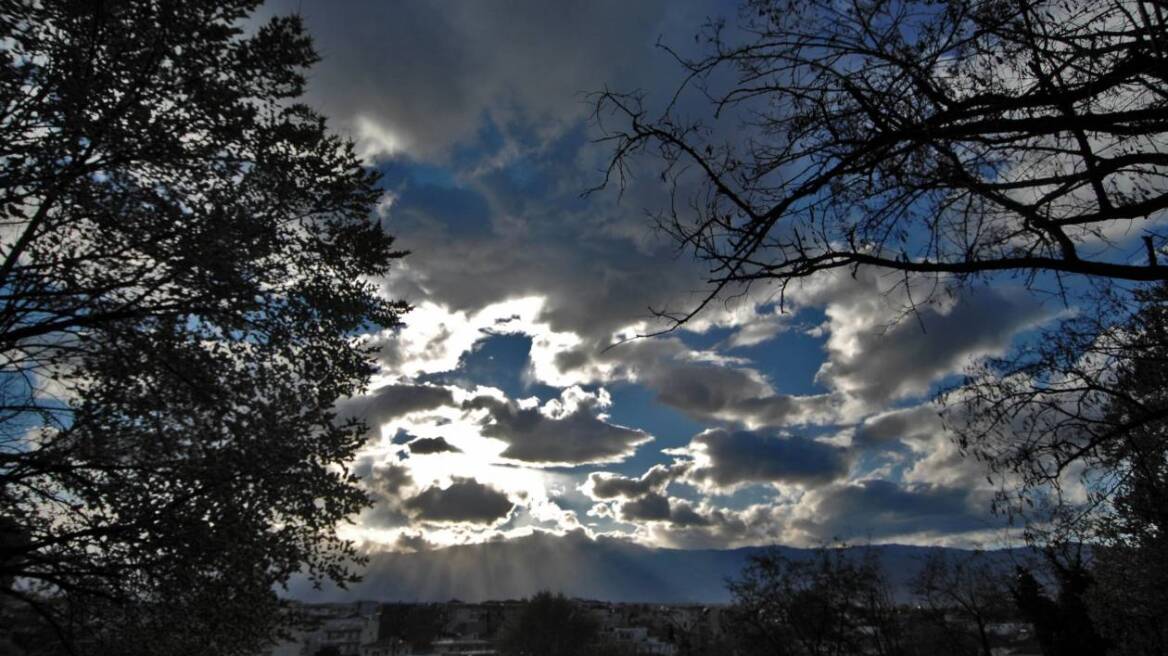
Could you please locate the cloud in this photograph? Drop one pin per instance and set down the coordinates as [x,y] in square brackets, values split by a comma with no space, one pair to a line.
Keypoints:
[429,445]
[916,424]
[935,458]
[679,513]
[412,543]
[704,385]
[650,507]
[881,509]
[726,459]
[603,485]
[738,395]
[567,432]
[424,76]
[483,172]
[880,350]
[385,483]
[464,500]
[704,527]
[390,402]
[389,479]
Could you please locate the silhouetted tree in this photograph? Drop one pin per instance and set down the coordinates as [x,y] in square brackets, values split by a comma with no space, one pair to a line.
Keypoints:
[968,589]
[946,139]
[1062,625]
[418,625]
[1079,406]
[833,604]
[186,255]
[1130,597]
[950,140]
[1074,424]
[550,625]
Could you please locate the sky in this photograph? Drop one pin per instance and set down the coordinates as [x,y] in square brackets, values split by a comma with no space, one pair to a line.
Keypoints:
[503,408]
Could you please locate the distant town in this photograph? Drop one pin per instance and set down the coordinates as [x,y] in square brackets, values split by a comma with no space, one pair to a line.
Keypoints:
[476,629]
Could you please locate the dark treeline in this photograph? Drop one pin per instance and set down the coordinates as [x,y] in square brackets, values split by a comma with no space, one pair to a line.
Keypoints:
[837,602]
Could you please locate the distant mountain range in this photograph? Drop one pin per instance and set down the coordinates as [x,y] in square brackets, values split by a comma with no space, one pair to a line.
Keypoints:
[604,569]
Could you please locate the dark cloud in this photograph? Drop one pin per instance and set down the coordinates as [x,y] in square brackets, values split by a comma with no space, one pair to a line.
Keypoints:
[751,457]
[389,479]
[427,445]
[919,423]
[432,72]
[412,543]
[717,528]
[732,394]
[651,507]
[655,507]
[684,515]
[881,509]
[574,438]
[487,192]
[602,485]
[465,500]
[877,358]
[706,390]
[392,401]
[384,483]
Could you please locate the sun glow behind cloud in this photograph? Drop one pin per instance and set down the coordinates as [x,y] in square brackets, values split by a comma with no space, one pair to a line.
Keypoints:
[374,141]
[751,425]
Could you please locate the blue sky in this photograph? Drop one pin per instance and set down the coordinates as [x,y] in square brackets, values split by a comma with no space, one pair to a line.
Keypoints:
[747,426]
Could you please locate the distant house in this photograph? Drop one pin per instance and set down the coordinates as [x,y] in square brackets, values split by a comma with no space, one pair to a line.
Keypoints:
[637,640]
[340,633]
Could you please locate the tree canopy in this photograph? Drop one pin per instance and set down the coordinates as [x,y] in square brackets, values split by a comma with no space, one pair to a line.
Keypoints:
[186,257]
[550,624]
[1078,419]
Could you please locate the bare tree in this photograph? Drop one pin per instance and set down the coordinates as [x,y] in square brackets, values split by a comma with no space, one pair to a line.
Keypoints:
[972,589]
[837,602]
[949,139]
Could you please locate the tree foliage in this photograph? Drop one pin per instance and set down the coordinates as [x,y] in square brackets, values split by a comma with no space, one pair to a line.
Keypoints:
[417,625]
[1062,622]
[1075,422]
[1076,417]
[948,138]
[1131,595]
[550,625]
[186,254]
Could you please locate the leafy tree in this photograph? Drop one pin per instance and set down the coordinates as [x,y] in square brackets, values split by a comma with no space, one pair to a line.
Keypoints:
[832,604]
[1062,625]
[417,625]
[946,138]
[550,625]
[186,255]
